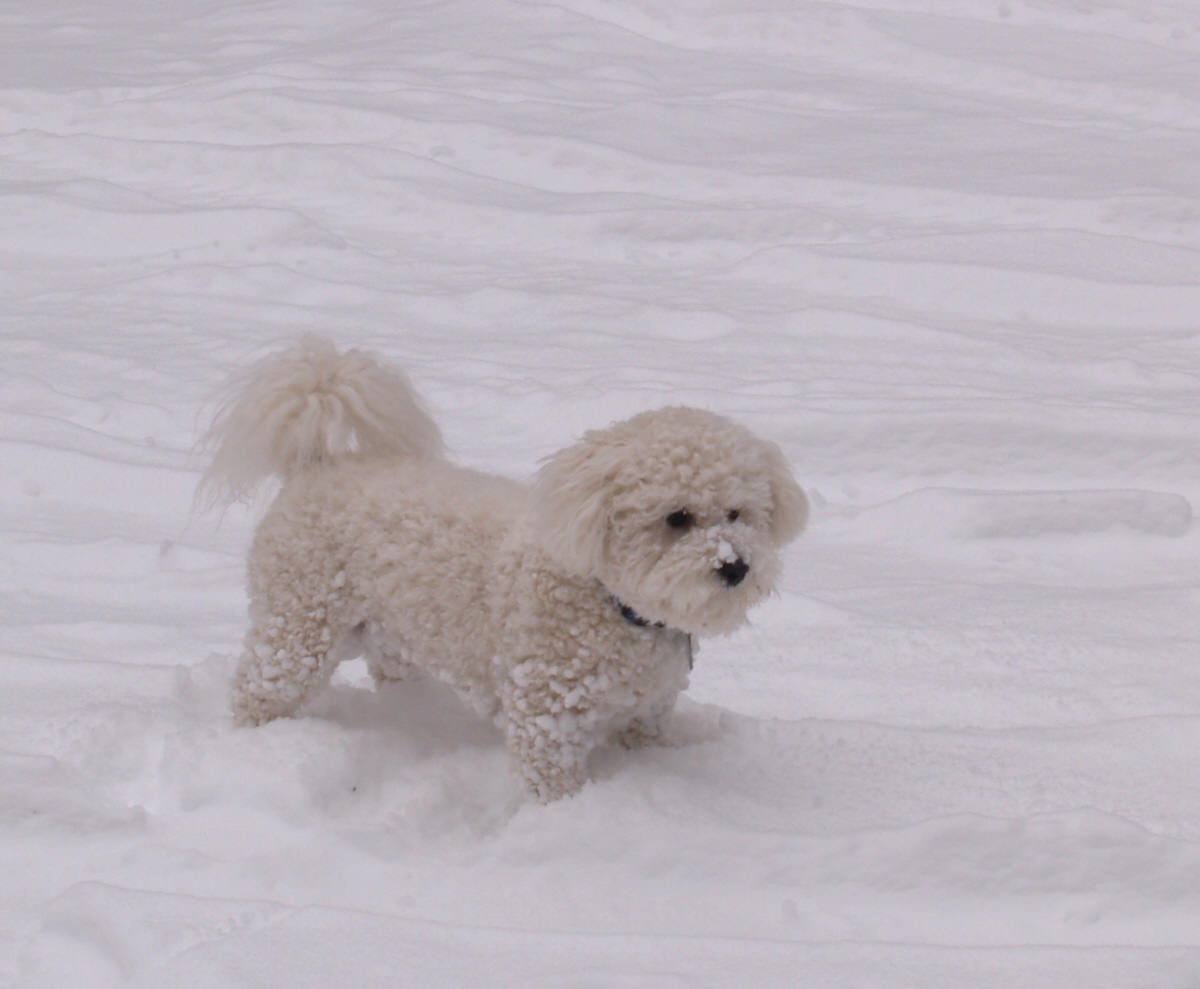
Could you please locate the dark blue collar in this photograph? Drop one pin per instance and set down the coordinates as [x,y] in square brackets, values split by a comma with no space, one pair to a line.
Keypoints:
[634,618]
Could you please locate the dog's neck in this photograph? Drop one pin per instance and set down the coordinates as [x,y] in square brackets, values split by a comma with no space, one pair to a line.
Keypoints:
[634,618]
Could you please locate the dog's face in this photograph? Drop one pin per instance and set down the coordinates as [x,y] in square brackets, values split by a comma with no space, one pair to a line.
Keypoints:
[679,513]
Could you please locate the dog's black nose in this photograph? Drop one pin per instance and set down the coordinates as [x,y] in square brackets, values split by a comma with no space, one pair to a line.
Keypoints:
[733,573]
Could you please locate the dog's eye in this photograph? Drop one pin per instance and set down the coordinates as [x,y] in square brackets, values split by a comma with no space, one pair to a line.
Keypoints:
[734,514]
[680,519]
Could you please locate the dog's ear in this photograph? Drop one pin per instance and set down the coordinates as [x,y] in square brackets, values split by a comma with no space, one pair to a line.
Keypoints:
[571,503]
[789,512]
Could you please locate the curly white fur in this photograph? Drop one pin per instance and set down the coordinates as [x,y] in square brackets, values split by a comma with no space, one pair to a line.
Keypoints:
[564,611]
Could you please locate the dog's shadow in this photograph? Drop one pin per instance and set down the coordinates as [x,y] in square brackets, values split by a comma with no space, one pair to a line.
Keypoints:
[415,764]
[426,713]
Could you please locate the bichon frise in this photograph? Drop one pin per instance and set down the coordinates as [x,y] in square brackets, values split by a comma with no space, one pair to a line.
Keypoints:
[565,610]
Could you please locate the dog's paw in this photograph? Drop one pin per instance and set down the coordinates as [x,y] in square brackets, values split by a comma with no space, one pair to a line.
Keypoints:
[551,772]
[639,735]
[550,779]
[547,790]
[256,704]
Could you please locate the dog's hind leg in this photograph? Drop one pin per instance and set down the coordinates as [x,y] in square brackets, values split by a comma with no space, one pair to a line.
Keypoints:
[289,656]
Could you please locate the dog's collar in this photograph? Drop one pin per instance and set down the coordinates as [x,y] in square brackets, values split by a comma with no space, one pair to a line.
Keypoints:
[634,618]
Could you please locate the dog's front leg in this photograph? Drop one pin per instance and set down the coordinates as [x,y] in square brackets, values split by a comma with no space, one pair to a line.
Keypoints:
[551,761]
[549,730]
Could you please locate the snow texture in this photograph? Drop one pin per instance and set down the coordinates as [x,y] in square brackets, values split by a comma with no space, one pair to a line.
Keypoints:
[946,253]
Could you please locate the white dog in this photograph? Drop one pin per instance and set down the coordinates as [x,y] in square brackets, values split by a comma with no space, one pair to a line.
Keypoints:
[564,611]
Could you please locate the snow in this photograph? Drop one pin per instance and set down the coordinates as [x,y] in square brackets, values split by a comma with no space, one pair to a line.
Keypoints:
[944,252]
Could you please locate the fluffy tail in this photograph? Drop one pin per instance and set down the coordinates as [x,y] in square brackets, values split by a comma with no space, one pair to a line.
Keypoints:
[309,406]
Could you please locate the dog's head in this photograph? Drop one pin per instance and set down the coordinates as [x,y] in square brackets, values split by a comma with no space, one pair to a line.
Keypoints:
[679,512]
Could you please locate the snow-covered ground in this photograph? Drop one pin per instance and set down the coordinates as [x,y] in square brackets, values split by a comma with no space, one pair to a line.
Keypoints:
[945,252]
